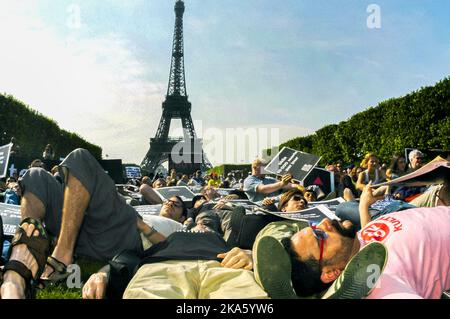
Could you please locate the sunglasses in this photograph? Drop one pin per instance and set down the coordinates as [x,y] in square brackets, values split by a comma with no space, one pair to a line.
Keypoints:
[175,203]
[320,236]
[297,197]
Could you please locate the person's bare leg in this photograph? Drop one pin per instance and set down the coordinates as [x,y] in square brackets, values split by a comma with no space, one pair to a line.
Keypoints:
[76,199]
[13,286]
[348,195]
[31,206]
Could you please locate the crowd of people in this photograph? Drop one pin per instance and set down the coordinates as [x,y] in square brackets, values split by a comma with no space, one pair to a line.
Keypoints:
[213,247]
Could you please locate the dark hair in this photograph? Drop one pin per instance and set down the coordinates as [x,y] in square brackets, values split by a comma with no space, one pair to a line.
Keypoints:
[394,163]
[197,198]
[37,163]
[305,275]
[239,193]
[286,197]
[183,205]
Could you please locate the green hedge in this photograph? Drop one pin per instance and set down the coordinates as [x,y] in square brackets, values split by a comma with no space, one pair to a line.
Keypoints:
[33,131]
[420,119]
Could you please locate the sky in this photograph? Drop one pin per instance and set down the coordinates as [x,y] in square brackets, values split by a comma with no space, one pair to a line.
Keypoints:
[258,72]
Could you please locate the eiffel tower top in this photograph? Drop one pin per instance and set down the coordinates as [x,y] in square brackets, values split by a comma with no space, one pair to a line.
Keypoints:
[177,83]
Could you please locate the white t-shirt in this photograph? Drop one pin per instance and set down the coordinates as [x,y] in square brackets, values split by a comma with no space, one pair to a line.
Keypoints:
[418,245]
[163,225]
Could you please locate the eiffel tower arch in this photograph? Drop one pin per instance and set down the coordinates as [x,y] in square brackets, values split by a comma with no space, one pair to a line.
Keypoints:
[185,153]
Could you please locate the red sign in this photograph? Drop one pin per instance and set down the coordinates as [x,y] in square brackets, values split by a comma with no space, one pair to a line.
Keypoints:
[318,181]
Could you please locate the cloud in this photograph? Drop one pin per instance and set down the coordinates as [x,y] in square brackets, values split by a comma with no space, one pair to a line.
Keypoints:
[93,86]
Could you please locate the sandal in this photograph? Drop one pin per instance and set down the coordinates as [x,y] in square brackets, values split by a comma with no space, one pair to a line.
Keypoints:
[38,246]
[59,273]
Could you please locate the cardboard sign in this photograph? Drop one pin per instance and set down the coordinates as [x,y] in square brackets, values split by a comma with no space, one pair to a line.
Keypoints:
[196,189]
[322,178]
[224,191]
[148,209]
[331,203]
[132,172]
[4,158]
[182,191]
[11,218]
[312,215]
[297,163]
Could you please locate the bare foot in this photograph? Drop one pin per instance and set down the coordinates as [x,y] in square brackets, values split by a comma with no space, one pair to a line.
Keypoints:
[59,255]
[13,286]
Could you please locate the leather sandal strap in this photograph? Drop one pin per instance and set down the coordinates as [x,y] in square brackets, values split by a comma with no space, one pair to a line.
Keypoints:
[19,268]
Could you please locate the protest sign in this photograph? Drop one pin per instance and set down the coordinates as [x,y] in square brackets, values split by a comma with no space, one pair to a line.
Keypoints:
[4,157]
[313,215]
[11,218]
[132,172]
[331,203]
[322,178]
[182,191]
[148,209]
[296,163]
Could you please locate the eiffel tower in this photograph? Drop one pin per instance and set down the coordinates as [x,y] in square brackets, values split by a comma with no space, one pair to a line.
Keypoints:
[185,154]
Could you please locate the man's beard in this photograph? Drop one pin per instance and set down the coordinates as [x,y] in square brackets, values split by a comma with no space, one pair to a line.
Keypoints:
[346,232]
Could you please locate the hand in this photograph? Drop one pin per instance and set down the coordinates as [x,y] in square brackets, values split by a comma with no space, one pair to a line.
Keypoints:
[367,197]
[237,258]
[286,179]
[268,201]
[95,287]
[220,204]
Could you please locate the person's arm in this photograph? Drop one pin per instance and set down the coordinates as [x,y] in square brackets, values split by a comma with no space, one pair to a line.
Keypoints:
[237,258]
[150,232]
[359,183]
[149,194]
[365,201]
[270,188]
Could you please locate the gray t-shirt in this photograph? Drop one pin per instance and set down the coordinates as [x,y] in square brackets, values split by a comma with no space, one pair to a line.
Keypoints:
[252,182]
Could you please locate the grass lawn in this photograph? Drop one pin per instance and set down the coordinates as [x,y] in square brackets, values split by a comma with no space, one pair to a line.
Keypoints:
[87,266]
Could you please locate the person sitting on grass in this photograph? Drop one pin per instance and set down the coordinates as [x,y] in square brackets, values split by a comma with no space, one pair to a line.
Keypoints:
[86,215]
[372,172]
[257,186]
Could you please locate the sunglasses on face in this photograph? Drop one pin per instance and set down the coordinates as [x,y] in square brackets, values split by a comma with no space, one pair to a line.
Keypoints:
[297,198]
[320,236]
[175,203]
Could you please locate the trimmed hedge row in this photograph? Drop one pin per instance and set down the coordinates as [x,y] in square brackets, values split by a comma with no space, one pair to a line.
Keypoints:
[420,119]
[33,131]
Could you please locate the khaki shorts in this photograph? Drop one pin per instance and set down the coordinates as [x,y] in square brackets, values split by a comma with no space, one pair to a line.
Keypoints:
[192,279]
